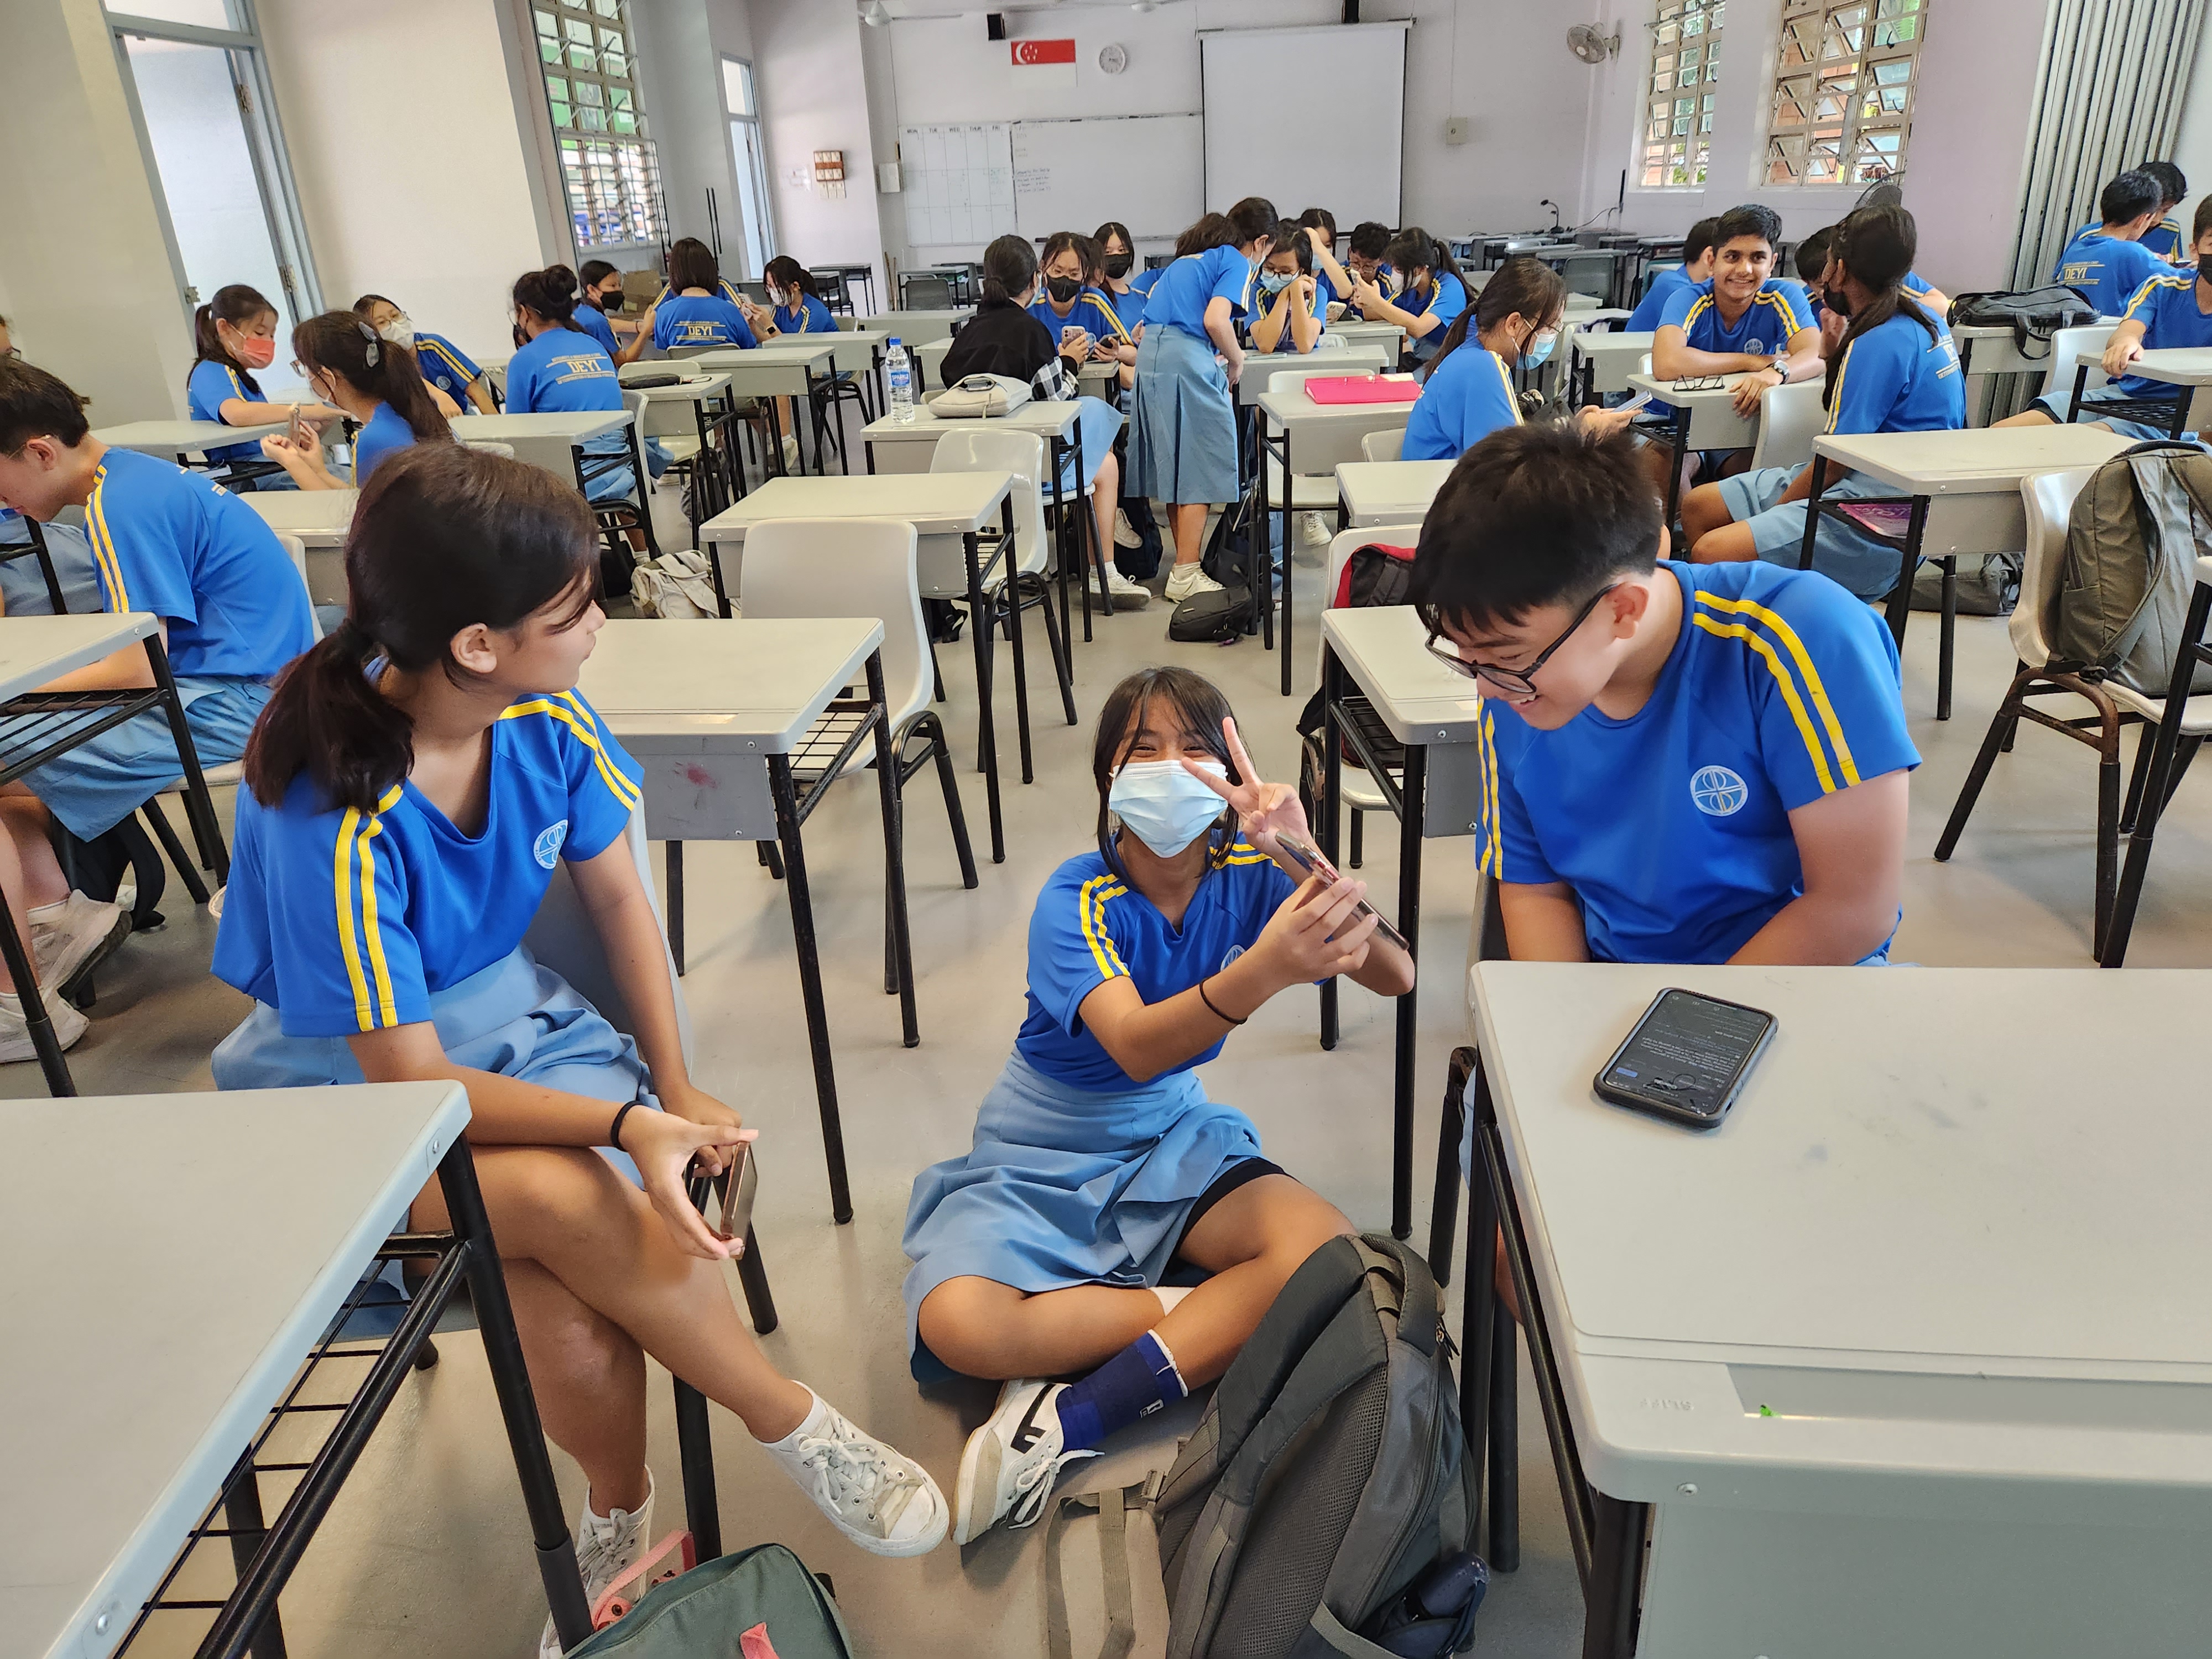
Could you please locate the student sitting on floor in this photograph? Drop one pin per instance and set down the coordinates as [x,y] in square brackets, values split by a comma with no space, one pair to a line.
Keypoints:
[1688,764]
[232,612]
[2167,312]
[2165,238]
[1287,309]
[234,334]
[1744,320]
[446,368]
[416,777]
[1005,337]
[374,382]
[1430,295]
[1897,371]
[1697,267]
[1098,1161]
[2106,263]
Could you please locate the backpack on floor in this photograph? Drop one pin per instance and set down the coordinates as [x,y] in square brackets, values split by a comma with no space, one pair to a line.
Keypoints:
[678,585]
[1215,618]
[1327,1479]
[2137,530]
[760,1603]
[1375,574]
[2033,314]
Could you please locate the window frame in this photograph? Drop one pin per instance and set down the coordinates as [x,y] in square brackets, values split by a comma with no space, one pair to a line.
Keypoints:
[1681,155]
[1787,160]
[603,174]
[756,258]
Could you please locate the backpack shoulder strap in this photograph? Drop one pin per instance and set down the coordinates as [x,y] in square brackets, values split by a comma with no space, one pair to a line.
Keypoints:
[1112,1507]
[1302,1311]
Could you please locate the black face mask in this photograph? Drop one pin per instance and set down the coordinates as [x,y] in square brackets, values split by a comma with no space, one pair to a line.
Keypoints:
[1833,301]
[1117,265]
[1063,288]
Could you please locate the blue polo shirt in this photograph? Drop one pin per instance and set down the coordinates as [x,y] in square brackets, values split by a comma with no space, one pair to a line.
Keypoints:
[1091,927]
[2167,240]
[1467,395]
[2107,271]
[181,545]
[1672,827]
[1130,306]
[811,317]
[593,321]
[445,365]
[1092,310]
[2167,308]
[561,369]
[1894,377]
[211,385]
[1778,313]
[1445,299]
[384,431]
[702,321]
[1653,305]
[1181,295]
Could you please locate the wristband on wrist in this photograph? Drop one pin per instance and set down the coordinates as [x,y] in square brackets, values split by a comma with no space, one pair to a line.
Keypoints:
[1212,1009]
[614,1129]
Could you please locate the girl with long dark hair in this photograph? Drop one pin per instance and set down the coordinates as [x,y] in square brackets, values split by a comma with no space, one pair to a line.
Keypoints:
[374,382]
[408,790]
[1097,1160]
[234,336]
[560,367]
[449,372]
[1431,292]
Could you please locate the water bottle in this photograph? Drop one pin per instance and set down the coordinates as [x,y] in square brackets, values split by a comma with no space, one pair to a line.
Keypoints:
[898,372]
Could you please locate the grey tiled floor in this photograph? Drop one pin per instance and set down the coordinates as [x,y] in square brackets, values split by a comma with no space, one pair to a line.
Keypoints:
[425,1554]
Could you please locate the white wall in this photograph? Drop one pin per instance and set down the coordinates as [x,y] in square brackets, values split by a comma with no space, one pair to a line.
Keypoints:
[807,65]
[681,45]
[408,149]
[91,293]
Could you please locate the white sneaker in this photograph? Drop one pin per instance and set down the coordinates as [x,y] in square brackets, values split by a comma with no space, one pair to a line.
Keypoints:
[791,451]
[607,1546]
[1186,580]
[881,1499]
[1009,1466]
[1127,595]
[1312,529]
[1125,533]
[15,1030]
[71,938]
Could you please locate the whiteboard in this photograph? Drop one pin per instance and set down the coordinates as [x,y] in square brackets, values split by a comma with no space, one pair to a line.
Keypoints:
[1138,169]
[1356,174]
[959,183]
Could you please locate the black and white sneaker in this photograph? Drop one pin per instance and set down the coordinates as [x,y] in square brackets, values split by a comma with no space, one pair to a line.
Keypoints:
[1009,1466]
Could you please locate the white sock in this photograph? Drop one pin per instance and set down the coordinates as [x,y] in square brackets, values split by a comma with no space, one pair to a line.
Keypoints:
[1167,1353]
[808,1425]
[1168,1297]
[53,909]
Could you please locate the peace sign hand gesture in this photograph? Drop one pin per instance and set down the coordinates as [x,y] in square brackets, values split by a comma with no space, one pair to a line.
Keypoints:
[1261,808]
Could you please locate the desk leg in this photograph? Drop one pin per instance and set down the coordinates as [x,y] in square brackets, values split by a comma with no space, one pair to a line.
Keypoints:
[199,806]
[1259,557]
[1067,541]
[510,1380]
[810,982]
[1010,589]
[775,442]
[1900,610]
[869,448]
[672,851]
[695,1455]
[1331,812]
[1813,511]
[895,913]
[1479,1303]
[1412,792]
[986,737]
[1947,637]
[721,593]
[1290,544]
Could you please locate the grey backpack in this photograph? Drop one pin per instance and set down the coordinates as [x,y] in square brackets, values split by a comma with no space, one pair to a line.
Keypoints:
[2137,529]
[1327,1473]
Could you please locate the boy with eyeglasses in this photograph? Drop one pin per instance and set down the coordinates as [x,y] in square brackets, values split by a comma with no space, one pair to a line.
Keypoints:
[1689,764]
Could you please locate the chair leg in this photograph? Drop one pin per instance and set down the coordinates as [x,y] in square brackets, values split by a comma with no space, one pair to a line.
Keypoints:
[2000,729]
[166,833]
[771,858]
[2012,730]
[1059,663]
[1008,602]
[672,855]
[941,752]
[1359,838]
[1504,1441]
[2138,775]
[752,1274]
[1443,1212]
[936,675]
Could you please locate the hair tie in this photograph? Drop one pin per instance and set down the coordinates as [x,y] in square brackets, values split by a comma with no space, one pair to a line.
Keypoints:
[375,347]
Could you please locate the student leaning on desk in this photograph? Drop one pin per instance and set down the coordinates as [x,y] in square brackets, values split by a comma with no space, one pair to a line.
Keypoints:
[1689,764]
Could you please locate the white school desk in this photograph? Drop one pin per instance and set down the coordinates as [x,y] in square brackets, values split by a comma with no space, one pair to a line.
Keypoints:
[713,710]
[1377,674]
[2179,366]
[1964,488]
[1986,351]
[1696,420]
[1261,368]
[928,361]
[1388,492]
[320,518]
[935,504]
[790,366]
[1355,331]
[1607,360]
[1318,437]
[910,328]
[1910,1354]
[156,1349]
[553,441]
[178,439]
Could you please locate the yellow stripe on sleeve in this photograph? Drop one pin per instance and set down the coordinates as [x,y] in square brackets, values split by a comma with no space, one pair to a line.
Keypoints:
[1790,643]
[2144,293]
[1091,909]
[1741,631]
[103,544]
[348,945]
[1506,380]
[387,1011]
[1698,307]
[573,717]
[1836,392]
[438,351]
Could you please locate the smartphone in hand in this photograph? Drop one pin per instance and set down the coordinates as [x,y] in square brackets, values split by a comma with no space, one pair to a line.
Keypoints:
[732,1192]
[1309,858]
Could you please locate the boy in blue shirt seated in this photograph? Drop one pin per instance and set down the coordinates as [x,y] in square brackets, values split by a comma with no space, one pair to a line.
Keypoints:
[1688,765]
[1697,267]
[2165,238]
[2170,311]
[2106,263]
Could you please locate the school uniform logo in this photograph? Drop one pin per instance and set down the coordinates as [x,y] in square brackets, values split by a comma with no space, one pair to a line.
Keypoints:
[547,848]
[1755,345]
[1229,955]
[1716,792]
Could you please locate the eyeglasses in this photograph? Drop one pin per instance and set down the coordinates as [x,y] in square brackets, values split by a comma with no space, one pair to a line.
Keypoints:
[1520,681]
[1701,383]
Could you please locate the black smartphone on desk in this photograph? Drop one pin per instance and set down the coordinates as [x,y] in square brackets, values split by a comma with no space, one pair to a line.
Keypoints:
[1686,1058]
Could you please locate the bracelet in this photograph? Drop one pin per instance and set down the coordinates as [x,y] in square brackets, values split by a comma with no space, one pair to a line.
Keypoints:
[614,1129]
[1216,1013]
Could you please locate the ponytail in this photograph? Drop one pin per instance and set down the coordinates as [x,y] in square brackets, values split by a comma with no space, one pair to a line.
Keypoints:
[340,342]
[1414,249]
[1522,284]
[551,294]
[1876,246]
[237,305]
[1009,268]
[443,538]
[1212,230]
[1253,218]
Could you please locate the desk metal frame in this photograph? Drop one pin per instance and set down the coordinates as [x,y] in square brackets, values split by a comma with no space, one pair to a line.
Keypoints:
[1897,610]
[2148,410]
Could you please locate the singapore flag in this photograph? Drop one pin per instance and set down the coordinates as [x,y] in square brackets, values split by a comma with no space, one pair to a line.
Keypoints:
[1047,65]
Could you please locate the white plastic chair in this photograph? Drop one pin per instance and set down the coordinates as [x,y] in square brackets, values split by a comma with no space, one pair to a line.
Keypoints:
[2070,348]
[1383,446]
[2047,501]
[944,567]
[1789,416]
[1360,792]
[859,567]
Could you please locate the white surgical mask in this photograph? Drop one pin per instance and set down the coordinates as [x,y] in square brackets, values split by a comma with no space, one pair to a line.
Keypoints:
[1274,281]
[1163,805]
[400,331]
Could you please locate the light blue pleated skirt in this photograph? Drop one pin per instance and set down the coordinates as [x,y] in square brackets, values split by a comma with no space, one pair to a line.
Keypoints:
[1183,432]
[517,1017]
[1097,424]
[1066,1186]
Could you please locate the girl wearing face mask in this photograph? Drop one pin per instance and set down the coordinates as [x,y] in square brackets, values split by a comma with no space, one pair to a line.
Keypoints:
[795,305]
[1083,321]
[1286,301]
[601,286]
[235,334]
[447,370]
[374,382]
[1432,296]
[1098,1160]
[1124,286]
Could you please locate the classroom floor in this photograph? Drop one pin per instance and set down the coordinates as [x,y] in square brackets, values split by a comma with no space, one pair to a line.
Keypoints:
[426,1554]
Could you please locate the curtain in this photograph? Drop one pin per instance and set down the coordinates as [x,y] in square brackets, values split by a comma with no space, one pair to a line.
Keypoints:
[2107,97]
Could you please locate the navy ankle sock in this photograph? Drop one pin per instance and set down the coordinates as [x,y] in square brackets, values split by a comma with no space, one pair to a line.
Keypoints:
[1135,1382]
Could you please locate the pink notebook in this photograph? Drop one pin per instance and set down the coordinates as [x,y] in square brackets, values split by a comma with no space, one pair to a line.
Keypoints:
[1362,389]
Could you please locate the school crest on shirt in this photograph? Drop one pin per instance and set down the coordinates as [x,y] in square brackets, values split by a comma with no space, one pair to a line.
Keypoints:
[1716,792]
[547,848]
[1229,955]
